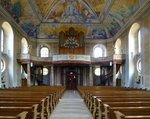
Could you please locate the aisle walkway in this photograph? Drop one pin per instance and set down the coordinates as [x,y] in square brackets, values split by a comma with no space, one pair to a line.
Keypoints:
[71,106]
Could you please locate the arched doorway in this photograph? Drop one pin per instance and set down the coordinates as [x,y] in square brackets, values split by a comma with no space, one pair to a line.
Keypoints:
[71,80]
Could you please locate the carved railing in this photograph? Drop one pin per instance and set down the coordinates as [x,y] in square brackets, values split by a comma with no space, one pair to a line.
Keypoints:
[30,58]
[75,58]
[72,58]
[119,57]
[115,57]
[102,59]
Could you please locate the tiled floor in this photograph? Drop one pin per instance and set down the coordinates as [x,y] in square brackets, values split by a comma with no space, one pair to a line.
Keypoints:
[71,106]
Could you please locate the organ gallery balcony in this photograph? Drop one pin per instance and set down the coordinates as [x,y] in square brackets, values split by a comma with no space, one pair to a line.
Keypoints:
[70,58]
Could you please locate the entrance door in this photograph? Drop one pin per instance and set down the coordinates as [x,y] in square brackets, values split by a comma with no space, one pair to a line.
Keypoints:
[71,80]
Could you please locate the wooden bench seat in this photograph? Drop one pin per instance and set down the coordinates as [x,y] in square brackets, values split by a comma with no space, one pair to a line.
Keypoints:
[43,108]
[11,111]
[120,115]
[99,103]
[96,96]
[14,115]
[129,104]
[53,98]
[132,111]
[47,97]
[125,99]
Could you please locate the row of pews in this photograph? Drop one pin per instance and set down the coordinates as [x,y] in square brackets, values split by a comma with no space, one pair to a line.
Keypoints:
[35,102]
[106,102]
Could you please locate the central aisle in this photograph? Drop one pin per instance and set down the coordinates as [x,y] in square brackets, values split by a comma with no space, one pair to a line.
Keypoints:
[71,106]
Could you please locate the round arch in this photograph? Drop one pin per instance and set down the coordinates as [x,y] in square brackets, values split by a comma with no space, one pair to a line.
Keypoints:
[118,46]
[99,50]
[8,51]
[8,37]
[24,46]
[44,52]
[132,52]
[40,46]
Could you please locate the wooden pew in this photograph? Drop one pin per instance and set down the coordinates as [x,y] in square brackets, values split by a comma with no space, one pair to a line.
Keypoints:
[41,110]
[34,94]
[55,91]
[132,111]
[127,107]
[95,97]
[29,95]
[14,115]
[10,111]
[99,108]
[22,104]
[124,115]
[113,93]
[83,90]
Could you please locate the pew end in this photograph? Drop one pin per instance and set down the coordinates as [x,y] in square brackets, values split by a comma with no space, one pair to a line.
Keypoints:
[119,115]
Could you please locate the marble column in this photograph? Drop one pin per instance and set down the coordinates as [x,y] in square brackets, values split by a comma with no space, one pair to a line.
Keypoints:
[28,75]
[114,73]
[84,77]
[52,76]
[91,76]
[64,77]
[0,58]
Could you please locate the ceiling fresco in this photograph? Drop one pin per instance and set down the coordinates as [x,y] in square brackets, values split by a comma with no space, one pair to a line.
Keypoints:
[51,31]
[98,19]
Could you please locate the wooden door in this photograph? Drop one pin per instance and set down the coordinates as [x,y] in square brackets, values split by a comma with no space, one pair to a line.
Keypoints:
[71,80]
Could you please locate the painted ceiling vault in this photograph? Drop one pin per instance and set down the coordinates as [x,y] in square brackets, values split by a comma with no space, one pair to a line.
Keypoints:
[98,19]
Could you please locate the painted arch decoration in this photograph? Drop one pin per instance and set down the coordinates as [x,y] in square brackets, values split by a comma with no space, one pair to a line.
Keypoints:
[99,19]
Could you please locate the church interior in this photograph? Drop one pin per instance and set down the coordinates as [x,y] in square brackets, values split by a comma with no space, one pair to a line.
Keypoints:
[74,51]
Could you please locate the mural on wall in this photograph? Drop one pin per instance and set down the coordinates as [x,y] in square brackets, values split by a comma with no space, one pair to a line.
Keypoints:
[98,19]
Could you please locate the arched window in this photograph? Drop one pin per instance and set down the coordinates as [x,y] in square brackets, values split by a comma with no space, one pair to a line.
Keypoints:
[7,48]
[99,51]
[45,71]
[134,59]
[44,52]
[2,65]
[139,66]
[2,40]
[117,48]
[24,46]
[97,71]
